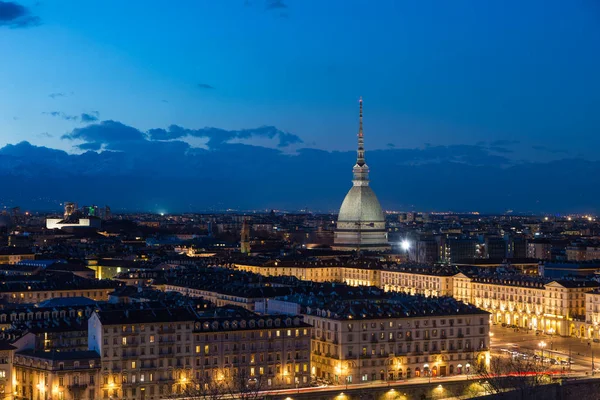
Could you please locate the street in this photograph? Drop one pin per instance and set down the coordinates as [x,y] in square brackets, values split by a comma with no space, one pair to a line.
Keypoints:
[560,348]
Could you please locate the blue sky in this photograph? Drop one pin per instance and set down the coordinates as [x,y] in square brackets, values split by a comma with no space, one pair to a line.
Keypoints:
[516,79]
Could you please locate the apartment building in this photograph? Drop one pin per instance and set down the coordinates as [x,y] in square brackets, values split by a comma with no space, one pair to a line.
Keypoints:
[155,353]
[313,270]
[56,375]
[424,280]
[366,335]
[6,369]
[512,300]
[146,354]
[527,302]
[37,292]
[13,255]
[273,351]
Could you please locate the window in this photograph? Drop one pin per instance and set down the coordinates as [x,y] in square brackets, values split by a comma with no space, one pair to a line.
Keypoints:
[124,340]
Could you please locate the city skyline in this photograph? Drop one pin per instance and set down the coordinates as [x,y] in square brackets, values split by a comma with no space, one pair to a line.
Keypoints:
[467,107]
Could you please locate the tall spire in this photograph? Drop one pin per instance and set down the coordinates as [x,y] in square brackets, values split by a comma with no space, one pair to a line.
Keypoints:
[360,157]
[360,170]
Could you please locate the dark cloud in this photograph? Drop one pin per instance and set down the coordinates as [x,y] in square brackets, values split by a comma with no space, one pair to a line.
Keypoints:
[165,101]
[15,15]
[218,137]
[111,135]
[45,135]
[62,115]
[465,154]
[55,95]
[204,86]
[87,118]
[275,4]
[180,178]
[95,146]
[391,145]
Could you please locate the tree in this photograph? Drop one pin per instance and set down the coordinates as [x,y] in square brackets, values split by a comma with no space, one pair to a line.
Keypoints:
[523,374]
[204,388]
[245,387]
[221,384]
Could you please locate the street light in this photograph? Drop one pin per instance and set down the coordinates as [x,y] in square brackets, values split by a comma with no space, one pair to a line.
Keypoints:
[542,345]
[405,244]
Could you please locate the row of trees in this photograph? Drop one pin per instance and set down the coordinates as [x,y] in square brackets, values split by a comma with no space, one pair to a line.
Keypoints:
[239,386]
[521,375]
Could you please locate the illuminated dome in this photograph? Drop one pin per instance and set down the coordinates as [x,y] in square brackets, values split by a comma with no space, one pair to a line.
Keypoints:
[361,223]
[361,205]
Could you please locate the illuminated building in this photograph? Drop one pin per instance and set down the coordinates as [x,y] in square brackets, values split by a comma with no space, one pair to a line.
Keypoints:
[155,353]
[366,335]
[361,223]
[13,255]
[555,307]
[245,238]
[56,375]
[146,351]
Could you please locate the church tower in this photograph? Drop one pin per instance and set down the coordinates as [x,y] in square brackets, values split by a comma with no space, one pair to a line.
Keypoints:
[245,237]
[361,223]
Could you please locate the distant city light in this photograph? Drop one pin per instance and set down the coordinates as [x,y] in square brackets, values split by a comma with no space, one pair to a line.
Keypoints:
[405,245]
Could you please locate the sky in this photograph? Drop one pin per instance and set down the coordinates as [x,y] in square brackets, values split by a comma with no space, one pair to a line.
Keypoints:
[147,90]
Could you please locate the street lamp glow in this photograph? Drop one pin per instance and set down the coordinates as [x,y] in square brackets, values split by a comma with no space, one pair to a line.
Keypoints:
[405,244]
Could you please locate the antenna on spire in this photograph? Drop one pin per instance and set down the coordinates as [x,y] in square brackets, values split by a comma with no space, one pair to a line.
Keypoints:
[360,127]
[360,158]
